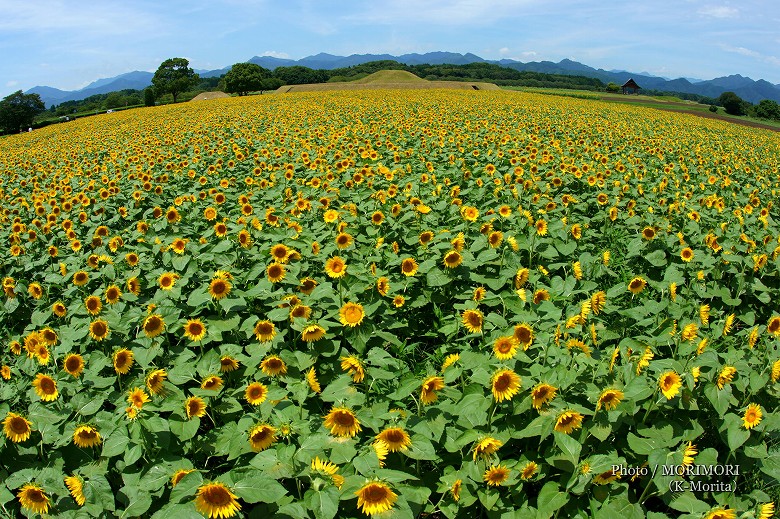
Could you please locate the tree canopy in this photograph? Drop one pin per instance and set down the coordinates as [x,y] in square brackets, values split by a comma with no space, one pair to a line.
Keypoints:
[732,103]
[245,77]
[18,110]
[174,76]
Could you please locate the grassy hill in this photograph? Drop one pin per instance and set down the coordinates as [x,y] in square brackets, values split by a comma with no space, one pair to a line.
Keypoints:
[388,79]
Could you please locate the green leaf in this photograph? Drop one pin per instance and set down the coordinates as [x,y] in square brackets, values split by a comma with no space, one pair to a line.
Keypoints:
[719,398]
[324,504]
[570,448]
[256,487]
[550,500]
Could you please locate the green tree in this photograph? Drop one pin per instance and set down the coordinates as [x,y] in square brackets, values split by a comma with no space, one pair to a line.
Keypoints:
[114,100]
[767,109]
[174,76]
[613,87]
[298,75]
[18,110]
[732,103]
[245,77]
[149,97]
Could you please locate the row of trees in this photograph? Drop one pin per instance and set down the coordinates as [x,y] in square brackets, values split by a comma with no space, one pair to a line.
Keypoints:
[735,105]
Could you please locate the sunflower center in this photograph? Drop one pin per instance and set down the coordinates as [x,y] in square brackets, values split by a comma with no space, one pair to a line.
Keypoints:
[504,347]
[344,419]
[255,392]
[72,364]
[87,434]
[47,386]
[566,420]
[503,382]
[99,328]
[195,329]
[394,436]
[375,494]
[19,425]
[353,314]
[260,435]
[216,496]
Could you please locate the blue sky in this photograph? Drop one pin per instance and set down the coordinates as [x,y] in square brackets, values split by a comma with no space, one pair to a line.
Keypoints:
[70,43]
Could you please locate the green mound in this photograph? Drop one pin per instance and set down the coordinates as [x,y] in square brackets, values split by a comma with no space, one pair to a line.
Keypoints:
[390,76]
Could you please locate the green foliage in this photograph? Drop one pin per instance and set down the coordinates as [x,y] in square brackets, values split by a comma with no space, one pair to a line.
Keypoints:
[713,109]
[613,88]
[298,75]
[174,76]
[18,110]
[245,77]
[732,103]
[767,109]
[149,97]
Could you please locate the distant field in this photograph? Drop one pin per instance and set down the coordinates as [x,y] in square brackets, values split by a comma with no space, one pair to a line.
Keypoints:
[670,103]
[402,303]
[388,79]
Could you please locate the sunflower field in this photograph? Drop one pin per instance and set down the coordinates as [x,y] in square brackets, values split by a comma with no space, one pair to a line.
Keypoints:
[393,303]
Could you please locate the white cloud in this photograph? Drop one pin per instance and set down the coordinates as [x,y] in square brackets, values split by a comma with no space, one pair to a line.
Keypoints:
[102,18]
[275,54]
[503,51]
[528,54]
[443,12]
[11,83]
[772,60]
[719,11]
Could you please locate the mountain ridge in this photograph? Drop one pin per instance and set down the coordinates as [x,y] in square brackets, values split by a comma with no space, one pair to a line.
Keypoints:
[745,87]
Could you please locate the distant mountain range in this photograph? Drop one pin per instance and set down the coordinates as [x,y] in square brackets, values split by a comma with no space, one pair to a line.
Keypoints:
[744,87]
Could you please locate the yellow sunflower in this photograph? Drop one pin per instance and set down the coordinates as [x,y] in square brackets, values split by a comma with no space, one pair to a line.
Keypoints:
[123,361]
[86,436]
[342,422]
[256,393]
[312,333]
[275,272]
[273,366]
[353,365]
[636,285]
[496,475]
[194,330]
[609,399]
[194,406]
[505,384]
[429,388]
[219,288]
[529,470]
[670,384]
[486,447]
[351,314]
[395,438]
[33,498]
[212,383]
[265,331]
[409,267]
[45,387]
[153,325]
[505,347]
[541,394]
[76,488]
[155,380]
[752,416]
[472,320]
[452,259]
[567,421]
[16,427]
[261,437]
[335,267]
[375,497]
[216,501]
